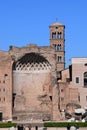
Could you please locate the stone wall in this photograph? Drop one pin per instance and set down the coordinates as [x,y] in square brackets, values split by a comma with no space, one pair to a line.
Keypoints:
[5,86]
[34,90]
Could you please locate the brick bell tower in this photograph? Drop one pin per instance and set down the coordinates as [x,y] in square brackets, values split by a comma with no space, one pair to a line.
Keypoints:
[57,39]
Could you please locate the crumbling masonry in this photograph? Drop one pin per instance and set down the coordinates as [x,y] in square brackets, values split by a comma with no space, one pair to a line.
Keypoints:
[28,79]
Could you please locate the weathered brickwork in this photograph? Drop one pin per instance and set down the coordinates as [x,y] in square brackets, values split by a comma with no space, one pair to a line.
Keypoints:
[33,88]
[57,39]
[29,80]
[34,84]
[73,84]
[5,85]
[28,85]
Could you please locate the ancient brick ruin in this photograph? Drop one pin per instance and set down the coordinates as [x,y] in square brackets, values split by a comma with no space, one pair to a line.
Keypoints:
[28,79]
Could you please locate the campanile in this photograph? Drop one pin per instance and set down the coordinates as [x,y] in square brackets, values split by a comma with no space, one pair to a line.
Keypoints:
[57,39]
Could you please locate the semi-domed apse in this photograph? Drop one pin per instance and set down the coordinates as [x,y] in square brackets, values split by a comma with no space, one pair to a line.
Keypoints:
[31,62]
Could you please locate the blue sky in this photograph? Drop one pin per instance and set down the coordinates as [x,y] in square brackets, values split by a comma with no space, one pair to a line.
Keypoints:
[27,21]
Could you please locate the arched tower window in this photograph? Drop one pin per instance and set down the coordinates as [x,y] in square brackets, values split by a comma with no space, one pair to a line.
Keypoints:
[59,58]
[59,47]
[59,35]
[54,45]
[85,79]
[54,35]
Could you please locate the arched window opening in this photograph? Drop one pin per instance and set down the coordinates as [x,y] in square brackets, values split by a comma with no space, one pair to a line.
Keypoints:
[59,58]
[85,79]
[85,64]
[55,46]
[59,35]
[59,47]
[53,35]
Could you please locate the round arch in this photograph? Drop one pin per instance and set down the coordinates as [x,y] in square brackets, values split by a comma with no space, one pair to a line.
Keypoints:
[31,61]
[85,78]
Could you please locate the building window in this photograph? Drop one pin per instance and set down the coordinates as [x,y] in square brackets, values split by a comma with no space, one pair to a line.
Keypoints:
[54,45]
[6,75]
[62,98]
[59,58]
[85,79]
[59,35]
[61,90]
[50,98]
[3,81]
[53,35]
[77,79]
[79,98]
[4,89]
[4,98]
[59,47]
[85,64]
[13,99]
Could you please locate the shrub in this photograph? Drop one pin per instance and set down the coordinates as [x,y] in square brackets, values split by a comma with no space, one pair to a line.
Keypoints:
[64,124]
[7,125]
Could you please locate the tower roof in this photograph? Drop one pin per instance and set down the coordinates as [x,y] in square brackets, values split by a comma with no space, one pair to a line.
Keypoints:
[56,24]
